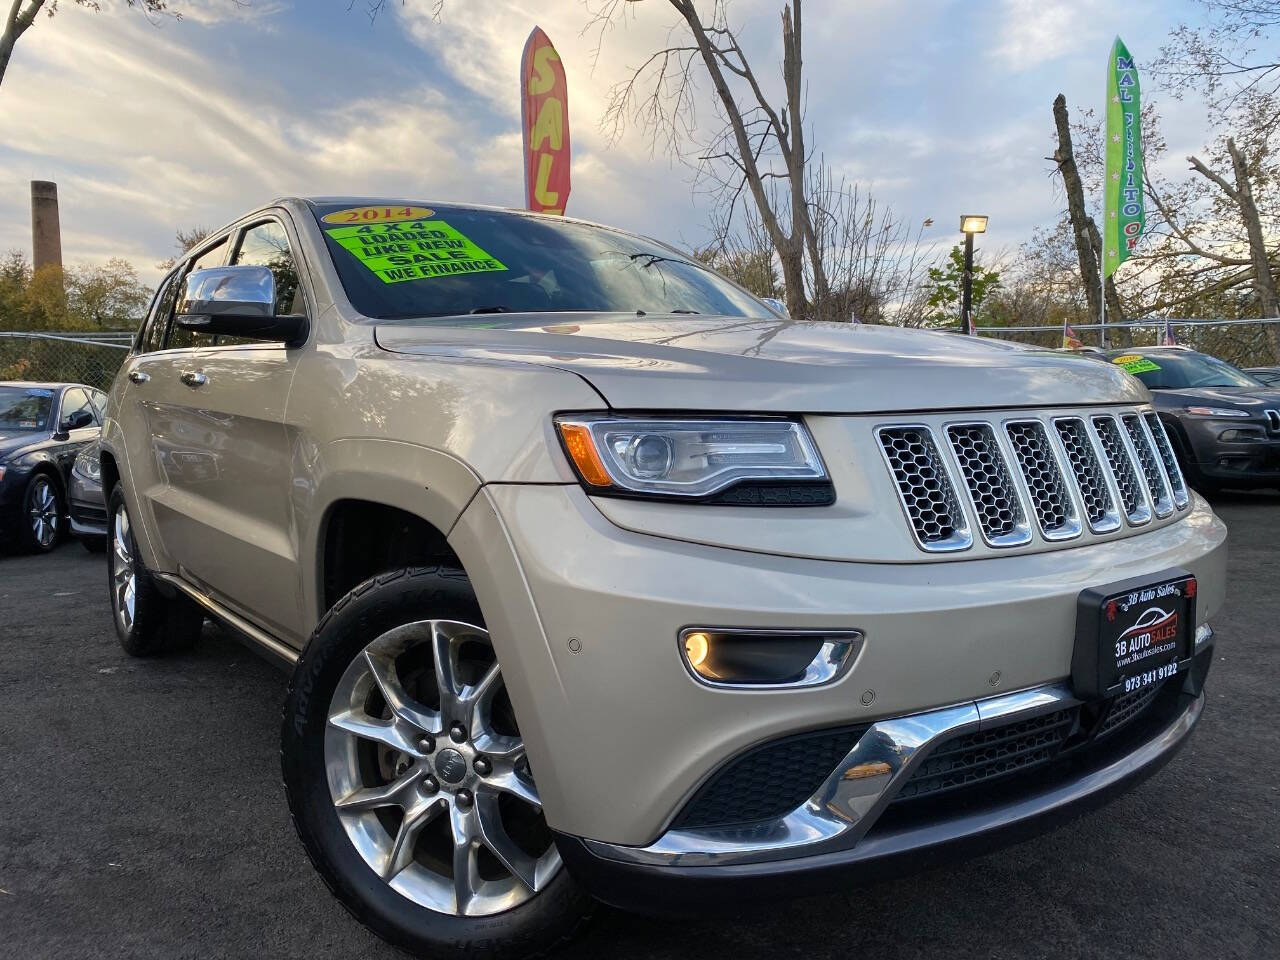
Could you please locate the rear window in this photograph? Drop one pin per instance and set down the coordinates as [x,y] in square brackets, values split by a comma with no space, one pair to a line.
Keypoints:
[411,261]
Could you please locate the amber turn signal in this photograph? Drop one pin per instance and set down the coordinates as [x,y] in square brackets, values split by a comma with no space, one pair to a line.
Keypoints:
[582,450]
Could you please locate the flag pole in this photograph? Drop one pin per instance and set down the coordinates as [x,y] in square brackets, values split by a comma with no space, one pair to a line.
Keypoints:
[1102,313]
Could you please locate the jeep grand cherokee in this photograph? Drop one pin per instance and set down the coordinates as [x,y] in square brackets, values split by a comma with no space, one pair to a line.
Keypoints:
[599,580]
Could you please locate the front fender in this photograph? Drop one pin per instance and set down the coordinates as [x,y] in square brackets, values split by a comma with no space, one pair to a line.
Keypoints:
[426,482]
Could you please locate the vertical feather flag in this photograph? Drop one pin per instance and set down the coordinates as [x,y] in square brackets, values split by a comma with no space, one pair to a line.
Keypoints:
[544,113]
[1124,213]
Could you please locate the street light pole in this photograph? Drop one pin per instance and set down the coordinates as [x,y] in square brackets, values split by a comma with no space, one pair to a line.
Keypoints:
[970,223]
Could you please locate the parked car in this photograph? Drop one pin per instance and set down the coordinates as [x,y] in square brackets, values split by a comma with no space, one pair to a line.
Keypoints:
[1269,376]
[42,428]
[1224,423]
[598,579]
[87,508]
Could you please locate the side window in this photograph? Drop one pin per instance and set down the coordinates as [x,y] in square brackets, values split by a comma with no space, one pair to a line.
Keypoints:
[177,336]
[151,337]
[267,245]
[99,401]
[73,401]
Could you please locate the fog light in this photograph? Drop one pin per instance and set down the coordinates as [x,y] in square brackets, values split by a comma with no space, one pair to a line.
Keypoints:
[768,658]
[696,648]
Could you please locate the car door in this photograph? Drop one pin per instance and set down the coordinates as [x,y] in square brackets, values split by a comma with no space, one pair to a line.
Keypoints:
[224,510]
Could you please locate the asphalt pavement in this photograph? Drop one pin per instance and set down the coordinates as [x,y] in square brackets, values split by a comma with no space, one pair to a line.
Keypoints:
[141,815]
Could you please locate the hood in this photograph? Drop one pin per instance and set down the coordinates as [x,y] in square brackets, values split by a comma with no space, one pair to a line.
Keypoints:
[1253,399]
[741,364]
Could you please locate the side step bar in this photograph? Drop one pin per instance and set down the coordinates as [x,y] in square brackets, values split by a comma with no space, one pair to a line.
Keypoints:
[282,653]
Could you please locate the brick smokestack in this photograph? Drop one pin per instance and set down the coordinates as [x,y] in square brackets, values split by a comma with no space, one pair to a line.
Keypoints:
[46,234]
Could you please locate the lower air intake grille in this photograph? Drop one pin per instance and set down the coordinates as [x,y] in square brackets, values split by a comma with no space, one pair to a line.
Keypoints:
[974,757]
[925,490]
[768,781]
[1126,707]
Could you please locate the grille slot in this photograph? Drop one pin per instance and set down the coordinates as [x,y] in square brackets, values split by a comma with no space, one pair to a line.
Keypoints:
[1126,477]
[1126,707]
[995,500]
[1273,420]
[1151,469]
[1054,508]
[925,488]
[1171,468]
[1099,506]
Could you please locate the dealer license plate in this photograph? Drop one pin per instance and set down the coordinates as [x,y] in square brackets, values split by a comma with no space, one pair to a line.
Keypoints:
[1134,634]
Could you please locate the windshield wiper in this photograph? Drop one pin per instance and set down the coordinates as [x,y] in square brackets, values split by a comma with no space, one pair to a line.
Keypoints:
[682,311]
[496,308]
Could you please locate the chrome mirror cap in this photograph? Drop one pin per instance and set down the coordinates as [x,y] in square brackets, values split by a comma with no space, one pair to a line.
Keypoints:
[243,291]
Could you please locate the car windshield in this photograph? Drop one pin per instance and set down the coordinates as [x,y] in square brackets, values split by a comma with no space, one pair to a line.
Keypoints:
[25,408]
[1183,369]
[411,262]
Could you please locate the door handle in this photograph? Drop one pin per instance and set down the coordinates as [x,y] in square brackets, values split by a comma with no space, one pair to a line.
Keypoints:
[138,376]
[194,378]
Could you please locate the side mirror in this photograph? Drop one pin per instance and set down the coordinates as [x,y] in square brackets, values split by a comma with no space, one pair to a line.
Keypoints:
[777,306]
[81,418]
[237,302]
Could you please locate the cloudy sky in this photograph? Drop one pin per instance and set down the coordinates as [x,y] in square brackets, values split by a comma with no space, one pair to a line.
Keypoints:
[939,106]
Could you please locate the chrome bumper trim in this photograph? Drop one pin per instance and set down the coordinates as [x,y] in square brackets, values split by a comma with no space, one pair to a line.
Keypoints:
[853,797]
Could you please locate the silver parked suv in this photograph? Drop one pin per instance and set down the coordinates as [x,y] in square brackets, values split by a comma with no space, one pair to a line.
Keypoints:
[599,580]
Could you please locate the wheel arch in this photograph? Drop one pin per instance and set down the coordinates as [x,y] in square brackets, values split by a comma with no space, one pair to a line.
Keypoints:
[378,505]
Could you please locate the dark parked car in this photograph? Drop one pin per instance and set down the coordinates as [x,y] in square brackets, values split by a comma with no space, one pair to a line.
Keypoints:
[1268,375]
[1224,422]
[88,508]
[42,428]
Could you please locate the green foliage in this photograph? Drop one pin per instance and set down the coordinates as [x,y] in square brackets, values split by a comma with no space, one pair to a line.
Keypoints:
[751,269]
[943,287]
[105,296]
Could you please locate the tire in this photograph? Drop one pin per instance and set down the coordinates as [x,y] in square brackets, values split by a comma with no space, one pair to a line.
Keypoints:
[406,621]
[148,623]
[43,510]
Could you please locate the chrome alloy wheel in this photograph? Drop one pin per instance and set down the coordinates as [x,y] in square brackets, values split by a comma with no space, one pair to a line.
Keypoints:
[124,574]
[428,774]
[42,511]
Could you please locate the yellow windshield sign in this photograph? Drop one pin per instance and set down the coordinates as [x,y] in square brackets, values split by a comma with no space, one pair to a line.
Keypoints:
[1135,363]
[383,214]
[417,250]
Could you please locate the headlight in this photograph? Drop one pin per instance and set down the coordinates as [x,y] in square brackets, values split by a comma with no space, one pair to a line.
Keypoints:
[87,464]
[748,461]
[1217,412]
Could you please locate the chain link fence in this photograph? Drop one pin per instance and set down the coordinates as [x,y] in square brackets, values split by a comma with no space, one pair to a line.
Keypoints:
[91,358]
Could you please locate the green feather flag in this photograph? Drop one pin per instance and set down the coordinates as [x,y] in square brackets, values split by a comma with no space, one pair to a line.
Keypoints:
[1124,212]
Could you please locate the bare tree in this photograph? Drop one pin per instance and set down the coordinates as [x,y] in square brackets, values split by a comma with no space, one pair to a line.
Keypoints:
[22,15]
[1087,239]
[183,240]
[759,149]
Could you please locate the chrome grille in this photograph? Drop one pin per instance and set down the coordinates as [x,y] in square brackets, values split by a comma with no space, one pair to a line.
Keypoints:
[925,488]
[991,491]
[1055,511]
[1152,471]
[1171,468]
[1099,505]
[1122,469]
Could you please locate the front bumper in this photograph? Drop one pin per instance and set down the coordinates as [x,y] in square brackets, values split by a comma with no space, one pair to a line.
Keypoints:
[585,618]
[1233,463]
[667,881]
